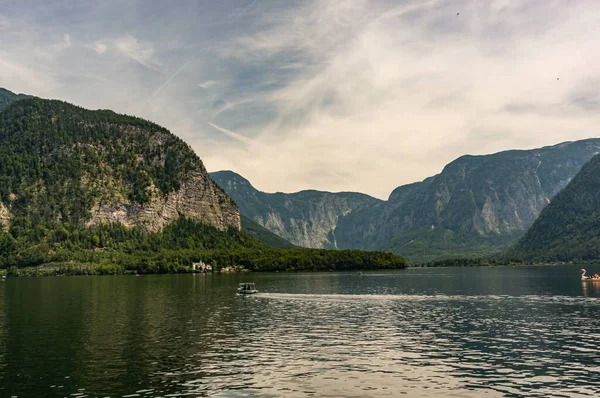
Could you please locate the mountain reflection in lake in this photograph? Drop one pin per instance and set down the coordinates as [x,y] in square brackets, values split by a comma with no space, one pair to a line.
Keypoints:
[446,332]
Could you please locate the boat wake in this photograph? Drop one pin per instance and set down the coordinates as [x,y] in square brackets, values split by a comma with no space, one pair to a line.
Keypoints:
[423,297]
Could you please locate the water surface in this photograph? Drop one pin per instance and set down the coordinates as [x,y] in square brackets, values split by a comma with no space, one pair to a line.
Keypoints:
[460,332]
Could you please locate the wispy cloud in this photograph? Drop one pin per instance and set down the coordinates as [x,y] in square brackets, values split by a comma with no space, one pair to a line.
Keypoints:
[234,135]
[329,94]
[132,48]
[158,90]
[100,47]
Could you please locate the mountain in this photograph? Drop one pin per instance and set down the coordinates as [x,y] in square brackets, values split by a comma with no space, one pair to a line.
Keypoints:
[306,218]
[60,163]
[477,205]
[95,192]
[264,235]
[569,227]
[8,97]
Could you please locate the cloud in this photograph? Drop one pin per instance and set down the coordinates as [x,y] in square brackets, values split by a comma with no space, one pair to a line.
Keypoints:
[360,95]
[208,84]
[234,135]
[55,50]
[132,48]
[100,47]
[382,87]
[4,22]
[170,79]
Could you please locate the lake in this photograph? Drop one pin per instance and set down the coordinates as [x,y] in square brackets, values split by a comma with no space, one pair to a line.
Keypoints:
[459,332]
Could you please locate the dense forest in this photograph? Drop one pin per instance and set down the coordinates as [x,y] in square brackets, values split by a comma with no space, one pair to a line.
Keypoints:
[58,161]
[472,262]
[115,249]
[53,153]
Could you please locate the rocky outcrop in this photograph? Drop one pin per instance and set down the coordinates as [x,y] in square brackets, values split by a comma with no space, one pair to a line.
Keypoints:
[71,165]
[477,204]
[198,199]
[306,218]
[4,217]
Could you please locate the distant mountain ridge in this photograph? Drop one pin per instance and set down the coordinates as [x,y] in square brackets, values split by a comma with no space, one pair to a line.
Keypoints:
[569,227]
[306,218]
[477,205]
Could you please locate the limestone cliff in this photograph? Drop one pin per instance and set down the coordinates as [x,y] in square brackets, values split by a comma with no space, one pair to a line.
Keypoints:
[476,205]
[61,163]
[306,218]
[198,199]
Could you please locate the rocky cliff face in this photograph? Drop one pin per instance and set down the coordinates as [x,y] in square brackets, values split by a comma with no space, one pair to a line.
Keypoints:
[63,164]
[569,227]
[198,199]
[306,218]
[476,204]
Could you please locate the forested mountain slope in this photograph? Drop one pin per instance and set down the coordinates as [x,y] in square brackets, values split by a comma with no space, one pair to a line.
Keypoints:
[569,227]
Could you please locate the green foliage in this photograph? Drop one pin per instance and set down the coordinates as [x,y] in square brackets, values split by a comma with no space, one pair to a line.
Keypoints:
[57,160]
[115,249]
[426,245]
[471,262]
[569,227]
[8,97]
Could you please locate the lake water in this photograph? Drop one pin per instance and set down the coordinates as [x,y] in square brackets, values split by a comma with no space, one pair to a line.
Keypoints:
[459,332]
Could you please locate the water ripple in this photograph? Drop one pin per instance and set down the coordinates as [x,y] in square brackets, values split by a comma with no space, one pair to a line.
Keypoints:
[181,336]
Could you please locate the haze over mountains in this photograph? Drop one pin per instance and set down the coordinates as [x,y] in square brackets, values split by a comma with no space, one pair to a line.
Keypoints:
[477,205]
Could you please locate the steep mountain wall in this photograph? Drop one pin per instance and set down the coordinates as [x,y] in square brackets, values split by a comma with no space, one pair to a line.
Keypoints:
[306,218]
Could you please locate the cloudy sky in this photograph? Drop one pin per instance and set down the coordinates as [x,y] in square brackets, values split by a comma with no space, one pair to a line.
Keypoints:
[360,95]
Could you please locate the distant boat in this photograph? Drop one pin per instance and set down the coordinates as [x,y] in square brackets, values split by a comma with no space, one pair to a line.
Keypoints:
[589,278]
[246,288]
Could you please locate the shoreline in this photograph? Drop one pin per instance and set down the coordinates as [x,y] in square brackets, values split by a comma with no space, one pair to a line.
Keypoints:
[93,270]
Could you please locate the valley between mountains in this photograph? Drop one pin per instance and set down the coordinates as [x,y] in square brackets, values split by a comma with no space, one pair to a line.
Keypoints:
[476,206]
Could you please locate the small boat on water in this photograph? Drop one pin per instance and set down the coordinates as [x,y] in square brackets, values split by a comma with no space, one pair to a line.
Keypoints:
[246,288]
[589,278]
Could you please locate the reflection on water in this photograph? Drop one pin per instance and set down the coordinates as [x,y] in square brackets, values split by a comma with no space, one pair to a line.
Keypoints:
[591,289]
[444,332]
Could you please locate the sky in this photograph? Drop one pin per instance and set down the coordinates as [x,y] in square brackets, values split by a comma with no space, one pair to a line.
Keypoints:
[335,95]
